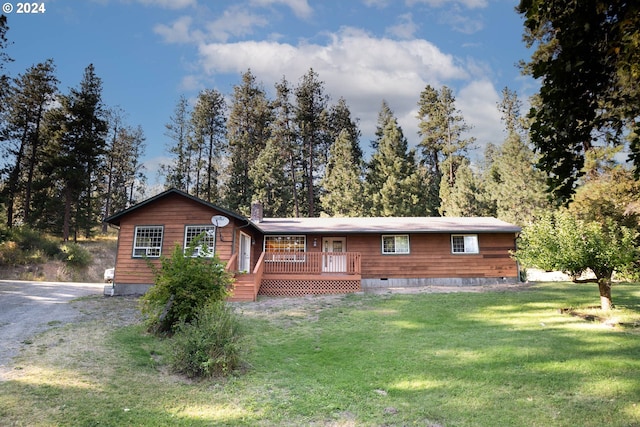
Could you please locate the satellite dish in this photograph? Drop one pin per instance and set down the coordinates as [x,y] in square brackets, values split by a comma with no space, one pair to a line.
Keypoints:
[219,220]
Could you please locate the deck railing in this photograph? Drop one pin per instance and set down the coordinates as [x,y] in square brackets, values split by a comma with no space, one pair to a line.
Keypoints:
[312,263]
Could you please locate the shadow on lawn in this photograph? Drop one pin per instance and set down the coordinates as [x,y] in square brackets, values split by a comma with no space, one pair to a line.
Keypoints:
[513,357]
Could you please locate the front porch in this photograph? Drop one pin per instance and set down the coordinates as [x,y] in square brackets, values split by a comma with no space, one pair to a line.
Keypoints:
[298,274]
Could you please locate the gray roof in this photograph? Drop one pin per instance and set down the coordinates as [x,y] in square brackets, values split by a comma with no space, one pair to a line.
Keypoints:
[385,225]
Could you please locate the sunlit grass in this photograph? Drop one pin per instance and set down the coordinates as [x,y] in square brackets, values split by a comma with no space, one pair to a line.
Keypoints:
[468,359]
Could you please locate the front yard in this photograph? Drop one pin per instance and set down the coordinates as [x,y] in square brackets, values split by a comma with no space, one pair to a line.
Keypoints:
[507,358]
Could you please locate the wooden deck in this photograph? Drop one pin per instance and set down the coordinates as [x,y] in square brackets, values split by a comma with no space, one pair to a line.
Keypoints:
[299,274]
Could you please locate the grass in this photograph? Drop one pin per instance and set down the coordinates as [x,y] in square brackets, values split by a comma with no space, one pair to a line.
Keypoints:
[463,359]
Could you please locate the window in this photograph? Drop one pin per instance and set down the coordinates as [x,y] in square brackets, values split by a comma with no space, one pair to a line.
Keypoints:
[207,246]
[147,241]
[287,248]
[464,244]
[395,244]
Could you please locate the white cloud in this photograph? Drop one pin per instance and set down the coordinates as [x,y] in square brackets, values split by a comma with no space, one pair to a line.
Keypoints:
[236,21]
[405,29]
[177,32]
[478,103]
[300,8]
[354,65]
[460,22]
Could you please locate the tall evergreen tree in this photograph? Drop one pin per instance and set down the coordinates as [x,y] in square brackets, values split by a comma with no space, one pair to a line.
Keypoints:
[247,132]
[78,142]
[282,153]
[178,173]
[515,184]
[393,185]
[443,145]
[466,197]
[30,95]
[342,186]
[270,181]
[208,121]
[122,168]
[340,120]
[4,58]
[313,135]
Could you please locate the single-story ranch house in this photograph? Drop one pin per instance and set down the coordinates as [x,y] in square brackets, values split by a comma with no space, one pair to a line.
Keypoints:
[302,256]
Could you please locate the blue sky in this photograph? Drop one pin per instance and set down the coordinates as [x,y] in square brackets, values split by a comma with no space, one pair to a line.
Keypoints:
[149,52]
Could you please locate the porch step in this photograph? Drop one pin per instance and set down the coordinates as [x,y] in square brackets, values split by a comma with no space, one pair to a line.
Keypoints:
[243,289]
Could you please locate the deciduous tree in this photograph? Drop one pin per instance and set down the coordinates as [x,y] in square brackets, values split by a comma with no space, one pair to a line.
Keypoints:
[586,57]
[559,241]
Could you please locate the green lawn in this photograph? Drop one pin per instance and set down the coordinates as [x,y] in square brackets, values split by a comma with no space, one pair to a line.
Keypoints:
[463,359]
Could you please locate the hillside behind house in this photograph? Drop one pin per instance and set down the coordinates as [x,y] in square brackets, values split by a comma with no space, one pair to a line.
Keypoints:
[102,253]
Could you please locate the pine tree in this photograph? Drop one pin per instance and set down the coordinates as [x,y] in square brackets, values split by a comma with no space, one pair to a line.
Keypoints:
[282,151]
[465,197]
[78,143]
[443,147]
[247,132]
[209,127]
[4,58]
[313,135]
[393,185]
[516,186]
[29,97]
[178,130]
[342,185]
[340,120]
[270,181]
[122,168]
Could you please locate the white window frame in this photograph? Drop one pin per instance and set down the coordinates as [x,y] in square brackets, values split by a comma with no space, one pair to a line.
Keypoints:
[143,241]
[470,244]
[398,248]
[293,254]
[209,239]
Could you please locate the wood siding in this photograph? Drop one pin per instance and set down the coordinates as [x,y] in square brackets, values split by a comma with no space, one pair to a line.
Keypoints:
[430,257]
[173,213]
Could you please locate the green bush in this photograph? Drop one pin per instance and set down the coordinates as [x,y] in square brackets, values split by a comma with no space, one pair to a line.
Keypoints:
[183,284]
[75,256]
[209,345]
[10,254]
[22,245]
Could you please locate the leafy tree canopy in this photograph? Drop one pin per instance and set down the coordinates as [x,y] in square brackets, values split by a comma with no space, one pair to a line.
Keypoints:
[559,241]
[587,58]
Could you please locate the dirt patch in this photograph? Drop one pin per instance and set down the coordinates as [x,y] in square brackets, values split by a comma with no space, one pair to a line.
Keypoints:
[308,307]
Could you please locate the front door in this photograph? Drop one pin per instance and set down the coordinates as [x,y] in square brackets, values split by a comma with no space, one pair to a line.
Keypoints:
[244,258]
[334,259]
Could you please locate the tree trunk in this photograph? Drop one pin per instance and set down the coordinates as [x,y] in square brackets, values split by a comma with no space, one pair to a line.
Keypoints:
[67,214]
[604,285]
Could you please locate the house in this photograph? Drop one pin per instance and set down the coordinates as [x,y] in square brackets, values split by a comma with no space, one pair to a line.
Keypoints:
[302,256]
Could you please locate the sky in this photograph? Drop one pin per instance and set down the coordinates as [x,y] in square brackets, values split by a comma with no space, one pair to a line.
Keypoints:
[150,52]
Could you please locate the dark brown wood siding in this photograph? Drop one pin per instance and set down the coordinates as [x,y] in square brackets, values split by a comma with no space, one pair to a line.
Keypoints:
[430,257]
[173,212]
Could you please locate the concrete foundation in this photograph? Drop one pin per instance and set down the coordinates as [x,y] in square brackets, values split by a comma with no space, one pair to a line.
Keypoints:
[120,289]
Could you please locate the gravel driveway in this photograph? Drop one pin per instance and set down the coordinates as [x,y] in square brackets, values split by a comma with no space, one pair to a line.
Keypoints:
[29,308]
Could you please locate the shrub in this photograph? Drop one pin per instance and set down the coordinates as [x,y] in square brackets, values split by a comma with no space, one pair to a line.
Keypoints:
[183,284]
[22,245]
[10,254]
[209,345]
[75,256]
